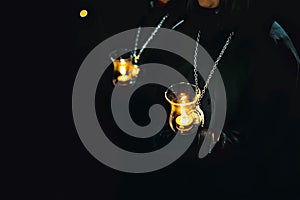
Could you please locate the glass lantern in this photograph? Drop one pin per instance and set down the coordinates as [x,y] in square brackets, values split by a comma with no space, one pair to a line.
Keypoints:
[125,69]
[184,118]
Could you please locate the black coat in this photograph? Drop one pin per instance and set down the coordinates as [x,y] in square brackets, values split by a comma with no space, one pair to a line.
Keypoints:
[260,83]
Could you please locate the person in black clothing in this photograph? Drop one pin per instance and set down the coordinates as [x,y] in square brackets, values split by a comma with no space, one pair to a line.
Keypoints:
[215,21]
[258,147]
[257,103]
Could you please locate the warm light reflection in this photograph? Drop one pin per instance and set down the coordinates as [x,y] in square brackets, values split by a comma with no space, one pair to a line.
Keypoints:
[183,119]
[83,13]
[135,71]
[123,78]
[122,68]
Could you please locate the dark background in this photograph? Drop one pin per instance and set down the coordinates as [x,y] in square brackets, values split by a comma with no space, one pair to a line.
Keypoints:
[78,175]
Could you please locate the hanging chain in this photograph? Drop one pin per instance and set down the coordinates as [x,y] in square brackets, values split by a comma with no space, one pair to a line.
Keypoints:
[198,91]
[201,93]
[195,65]
[149,39]
[136,41]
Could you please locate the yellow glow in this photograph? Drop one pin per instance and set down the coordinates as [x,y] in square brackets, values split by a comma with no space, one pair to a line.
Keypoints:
[83,13]
[123,66]
[123,69]
[123,61]
[184,119]
[183,98]
[135,71]
[136,58]
[123,78]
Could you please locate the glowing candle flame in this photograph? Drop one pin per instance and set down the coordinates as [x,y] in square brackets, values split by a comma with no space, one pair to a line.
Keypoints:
[123,78]
[123,67]
[184,119]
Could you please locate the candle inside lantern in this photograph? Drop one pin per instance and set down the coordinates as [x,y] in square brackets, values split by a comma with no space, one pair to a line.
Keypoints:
[123,78]
[122,67]
[184,116]
[184,119]
[123,70]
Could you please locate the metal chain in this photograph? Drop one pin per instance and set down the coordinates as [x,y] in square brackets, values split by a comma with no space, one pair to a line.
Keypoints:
[201,93]
[198,91]
[136,40]
[149,39]
[195,64]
